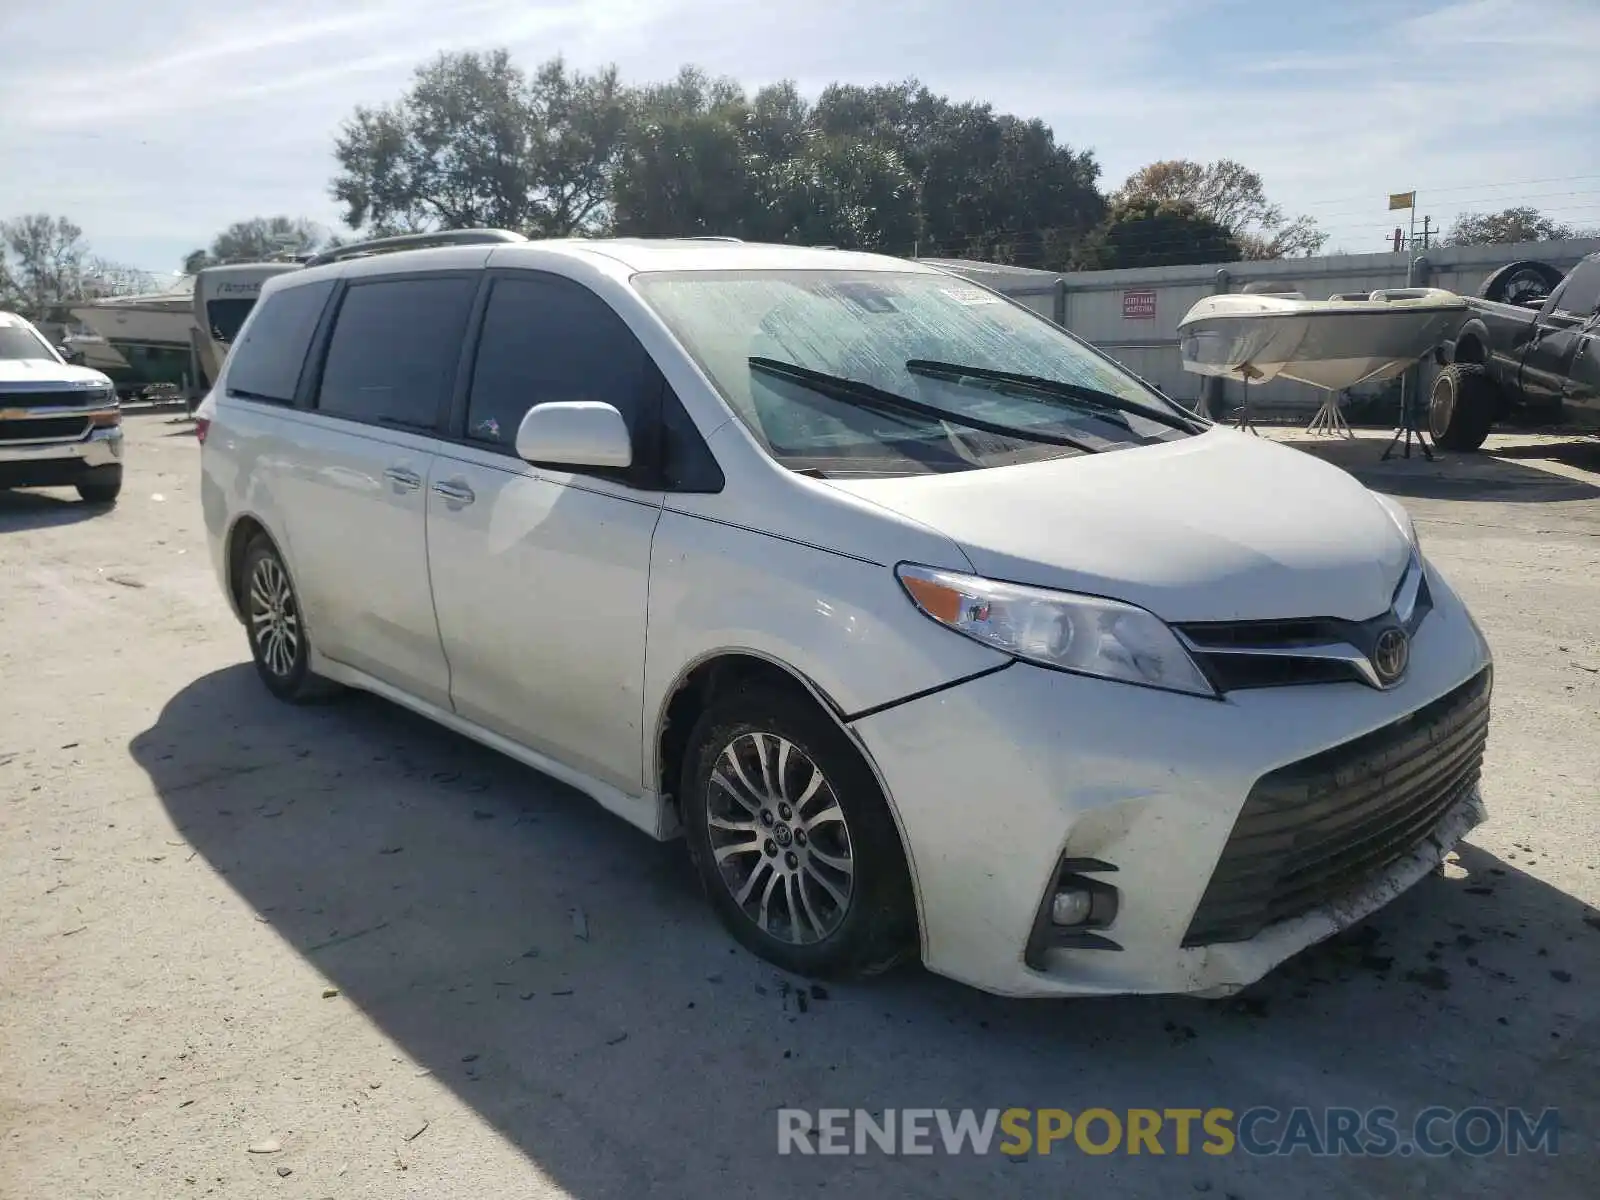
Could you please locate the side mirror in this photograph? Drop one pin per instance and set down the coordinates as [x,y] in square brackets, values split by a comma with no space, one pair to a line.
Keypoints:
[575,433]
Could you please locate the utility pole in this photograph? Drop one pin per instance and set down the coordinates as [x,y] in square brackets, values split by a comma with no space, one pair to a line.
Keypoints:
[1427,232]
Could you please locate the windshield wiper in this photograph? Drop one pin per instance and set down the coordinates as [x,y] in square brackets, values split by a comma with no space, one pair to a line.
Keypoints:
[868,396]
[1086,396]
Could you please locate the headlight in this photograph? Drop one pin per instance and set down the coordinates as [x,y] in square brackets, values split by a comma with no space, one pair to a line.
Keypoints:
[1085,634]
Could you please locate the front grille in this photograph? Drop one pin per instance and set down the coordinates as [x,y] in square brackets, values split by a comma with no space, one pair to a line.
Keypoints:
[1284,652]
[39,428]
[1313,831]
[50,399]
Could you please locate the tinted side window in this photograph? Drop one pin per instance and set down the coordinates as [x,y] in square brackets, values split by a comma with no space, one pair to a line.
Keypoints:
[266,364]
[547,340]
[1582,292]
[394,350]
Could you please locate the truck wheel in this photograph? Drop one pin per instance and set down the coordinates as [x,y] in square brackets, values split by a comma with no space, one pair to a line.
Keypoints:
[101,485]
[1462,407]
[1517,282]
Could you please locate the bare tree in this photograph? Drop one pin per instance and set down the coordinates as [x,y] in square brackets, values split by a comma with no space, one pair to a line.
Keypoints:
[47,261]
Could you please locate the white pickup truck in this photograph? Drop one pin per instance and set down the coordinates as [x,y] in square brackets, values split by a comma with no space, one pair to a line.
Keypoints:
[60,425]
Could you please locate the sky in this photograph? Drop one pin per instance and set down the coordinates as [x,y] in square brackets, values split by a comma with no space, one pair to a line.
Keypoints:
[155,123]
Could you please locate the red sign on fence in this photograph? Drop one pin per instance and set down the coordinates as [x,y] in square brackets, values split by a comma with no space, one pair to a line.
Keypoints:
[1138,306]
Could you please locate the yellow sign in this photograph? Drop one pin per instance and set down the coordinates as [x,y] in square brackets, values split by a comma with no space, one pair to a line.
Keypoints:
[1402,200]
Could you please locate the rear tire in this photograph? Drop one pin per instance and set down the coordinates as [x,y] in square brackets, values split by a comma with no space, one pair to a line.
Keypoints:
[1461,408]
[793,839]
[101,485]
[280,644]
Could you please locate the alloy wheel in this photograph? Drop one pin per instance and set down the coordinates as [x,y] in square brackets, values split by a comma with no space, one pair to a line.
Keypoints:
[1440,411]
[781,842]
[274,619]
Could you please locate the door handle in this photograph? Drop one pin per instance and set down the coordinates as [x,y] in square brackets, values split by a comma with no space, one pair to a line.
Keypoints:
[403,477]
[455,491]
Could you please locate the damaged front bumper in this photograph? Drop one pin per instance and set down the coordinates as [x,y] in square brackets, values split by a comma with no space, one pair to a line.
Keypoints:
[1003,782]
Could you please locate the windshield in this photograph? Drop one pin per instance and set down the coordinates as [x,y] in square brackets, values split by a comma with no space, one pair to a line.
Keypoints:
[226,317]
[867,328]
[21,342]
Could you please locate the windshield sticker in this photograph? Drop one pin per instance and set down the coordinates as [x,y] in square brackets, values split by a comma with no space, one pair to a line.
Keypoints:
[869,296]
[969,295]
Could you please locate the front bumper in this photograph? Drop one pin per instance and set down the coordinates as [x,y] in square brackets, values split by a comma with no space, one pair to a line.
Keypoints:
[34,463]
[994,781]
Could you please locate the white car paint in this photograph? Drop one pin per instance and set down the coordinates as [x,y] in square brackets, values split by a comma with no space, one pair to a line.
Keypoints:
[554,618]
[26,372]
[1222,527]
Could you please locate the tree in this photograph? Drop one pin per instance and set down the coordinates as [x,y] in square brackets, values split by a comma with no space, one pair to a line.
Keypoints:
[843,192]
[258,238]
[685,168]
[48,256]
[1517,224]
[1234,197]
[703,159]
[1146,232]
[986,184]
[475,142]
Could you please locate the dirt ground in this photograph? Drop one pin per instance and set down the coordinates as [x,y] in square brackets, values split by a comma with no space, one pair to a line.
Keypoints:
[227,923]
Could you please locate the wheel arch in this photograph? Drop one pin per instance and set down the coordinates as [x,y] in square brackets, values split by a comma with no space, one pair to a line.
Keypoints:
[710,674]
[244,529]
[1472,344]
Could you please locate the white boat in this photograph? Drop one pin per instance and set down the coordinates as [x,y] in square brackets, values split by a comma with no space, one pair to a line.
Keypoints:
[1333,344]
[158,320]
[92,350]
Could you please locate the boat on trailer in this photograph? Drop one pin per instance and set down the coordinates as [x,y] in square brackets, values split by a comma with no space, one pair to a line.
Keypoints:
[1333,344]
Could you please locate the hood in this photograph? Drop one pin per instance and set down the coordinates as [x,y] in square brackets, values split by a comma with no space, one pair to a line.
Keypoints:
[1218,527]
[25,373]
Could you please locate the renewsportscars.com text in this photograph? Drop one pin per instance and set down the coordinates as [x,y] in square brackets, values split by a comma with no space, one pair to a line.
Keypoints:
[1261,1131]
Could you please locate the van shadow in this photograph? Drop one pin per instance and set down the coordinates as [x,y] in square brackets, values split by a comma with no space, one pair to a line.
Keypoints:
[1502,476]
[560,972]
[43,510]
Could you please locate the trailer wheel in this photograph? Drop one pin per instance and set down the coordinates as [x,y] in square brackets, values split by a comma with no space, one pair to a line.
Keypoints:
[1461,408]
[1518,282]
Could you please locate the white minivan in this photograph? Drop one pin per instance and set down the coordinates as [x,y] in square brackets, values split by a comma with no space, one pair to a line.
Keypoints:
[931,629]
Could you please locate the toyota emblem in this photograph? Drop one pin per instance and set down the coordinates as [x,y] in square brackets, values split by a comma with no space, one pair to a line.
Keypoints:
[1390,655]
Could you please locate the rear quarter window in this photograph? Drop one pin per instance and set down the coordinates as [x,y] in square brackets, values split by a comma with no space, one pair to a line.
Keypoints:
[266,363]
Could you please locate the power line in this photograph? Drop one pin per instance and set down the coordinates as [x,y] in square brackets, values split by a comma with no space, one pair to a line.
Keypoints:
[1472,187]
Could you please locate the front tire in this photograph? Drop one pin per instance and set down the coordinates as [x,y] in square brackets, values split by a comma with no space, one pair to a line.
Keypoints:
[793,839]
[102,485]
[279,642]
[1461,408]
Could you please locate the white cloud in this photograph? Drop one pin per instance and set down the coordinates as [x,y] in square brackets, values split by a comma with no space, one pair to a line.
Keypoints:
[210,113]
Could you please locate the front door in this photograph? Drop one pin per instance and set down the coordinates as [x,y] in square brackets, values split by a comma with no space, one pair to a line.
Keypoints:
[540,574]
[358,518]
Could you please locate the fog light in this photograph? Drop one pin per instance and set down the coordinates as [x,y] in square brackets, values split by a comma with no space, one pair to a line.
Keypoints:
[1071,906]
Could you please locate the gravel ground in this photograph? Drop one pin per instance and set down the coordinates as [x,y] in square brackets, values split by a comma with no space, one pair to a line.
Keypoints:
[347,938]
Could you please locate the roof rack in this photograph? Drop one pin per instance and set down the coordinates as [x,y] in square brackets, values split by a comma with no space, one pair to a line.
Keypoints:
[710,237]
[414,241]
